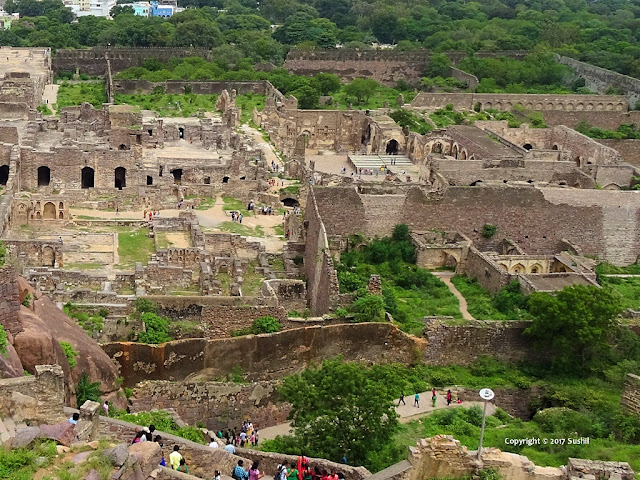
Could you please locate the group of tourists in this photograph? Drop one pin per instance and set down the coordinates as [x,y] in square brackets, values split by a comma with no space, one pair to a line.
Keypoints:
[301,470]
[236,217]
[434,398]
[152,214]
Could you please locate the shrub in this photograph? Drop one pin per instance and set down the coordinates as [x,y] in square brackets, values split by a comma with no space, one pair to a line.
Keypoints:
[156,329]
[27,300]
[489,230]
[3,341]
[369,308]
[266,324]
[341,312]
[144,305]
[87,390]
[69,352]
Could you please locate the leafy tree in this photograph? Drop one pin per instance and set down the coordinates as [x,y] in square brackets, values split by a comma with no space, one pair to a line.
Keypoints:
[308,97]
[337,411]
[327,83]
[361,88]
[87,390]
[121,10]
[156,329]
[439,65]
[574,325]
[197,33]
[369,308]
[144,305]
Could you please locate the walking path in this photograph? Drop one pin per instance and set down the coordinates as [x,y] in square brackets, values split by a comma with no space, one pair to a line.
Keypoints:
[406,412]
[50,96]
[446,278]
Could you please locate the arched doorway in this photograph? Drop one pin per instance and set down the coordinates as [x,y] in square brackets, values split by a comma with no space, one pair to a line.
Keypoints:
[225,179]
[290,202]
[120,178]
[454,151]
[44,176]
[4,174]
[87,177]
[527,146]
[49,212]
[392,147]
[436,148]
[48,256]
[149,180]
[177,175]
[555,147]
[123,147]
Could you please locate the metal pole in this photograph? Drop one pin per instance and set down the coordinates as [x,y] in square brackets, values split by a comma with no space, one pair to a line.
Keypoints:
[484,414]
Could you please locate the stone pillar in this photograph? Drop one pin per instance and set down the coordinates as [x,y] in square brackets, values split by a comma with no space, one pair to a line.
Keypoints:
[88,428]
[374,287]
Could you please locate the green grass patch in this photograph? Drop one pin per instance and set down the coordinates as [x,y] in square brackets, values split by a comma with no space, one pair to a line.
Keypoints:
[225,282]
[163,422]
[240,229]
[278,229]
[206,203]
[628,288]
[162,241]
[606,268]
[435,299]
[290,190]
[231,204]
[246,103]
[506,305]
[251,281]
[180,105]
[22,463]
[135,246]
[70,95]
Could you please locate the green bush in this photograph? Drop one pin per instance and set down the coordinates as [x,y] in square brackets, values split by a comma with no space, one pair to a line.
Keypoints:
[3,341]
[489,230]
[156,329]
[163,421]
[27,300]
[266,324]
[369,308]
[87,390]
[144,305]
[69,352]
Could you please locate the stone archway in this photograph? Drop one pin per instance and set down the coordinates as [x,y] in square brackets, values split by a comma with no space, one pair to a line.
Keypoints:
[518,268]
[436,148]
[49,211]
[4,174]
[87,177]
[392,147]
[120,178]
[527,146]
[48,256]
[44,176]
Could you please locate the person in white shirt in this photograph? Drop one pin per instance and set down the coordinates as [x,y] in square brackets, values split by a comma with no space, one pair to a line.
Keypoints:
[213,444]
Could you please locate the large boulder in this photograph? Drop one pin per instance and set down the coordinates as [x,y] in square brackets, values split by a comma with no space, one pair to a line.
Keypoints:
[10,364]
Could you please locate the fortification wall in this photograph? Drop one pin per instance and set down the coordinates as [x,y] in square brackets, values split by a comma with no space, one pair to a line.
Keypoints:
[218,405]
[607,120]
[462,345]
[628,149]
[9,301]
[93,61]
[263,357]
[601,79]
[506,101]
[177,87]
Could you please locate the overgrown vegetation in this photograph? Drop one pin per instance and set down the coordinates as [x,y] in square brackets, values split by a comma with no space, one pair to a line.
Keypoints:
[134,246]
[22,463]
[171,105]
[508,304]
[260,325]
[69,352]
[624,131]
[90,323]
[163,421]
[409,292]
[87,390]
[70,95]
[409,119]
[3,341]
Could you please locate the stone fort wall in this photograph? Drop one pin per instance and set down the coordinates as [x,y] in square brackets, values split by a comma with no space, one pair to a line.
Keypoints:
[93,61]
[177,87]
[630,399]
[218,405]
[601,80]
[386,66]
[262,357]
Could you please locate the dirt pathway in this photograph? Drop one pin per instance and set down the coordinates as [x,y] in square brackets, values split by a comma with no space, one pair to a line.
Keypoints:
[446,278]
[406,412]
[50,96]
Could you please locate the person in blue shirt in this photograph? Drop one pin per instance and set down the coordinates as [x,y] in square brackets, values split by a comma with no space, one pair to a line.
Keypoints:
[74,418]
[239,473]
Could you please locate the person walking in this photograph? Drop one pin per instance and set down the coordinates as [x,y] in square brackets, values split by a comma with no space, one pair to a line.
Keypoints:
[175,457]
[449,397]
[433,398]
[401,399]
[416,400]
[239,473]
[254,473]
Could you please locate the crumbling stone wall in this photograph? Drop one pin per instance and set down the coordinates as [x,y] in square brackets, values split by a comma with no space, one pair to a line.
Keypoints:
[38,398]
[263,357]
[222,320]
[9,301]
[630,399]
[628,149]
[218,405]
[178,87]
[515,401]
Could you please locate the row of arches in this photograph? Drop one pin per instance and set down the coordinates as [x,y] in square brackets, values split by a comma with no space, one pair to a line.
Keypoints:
[569,106]
[520,268]
[87,177]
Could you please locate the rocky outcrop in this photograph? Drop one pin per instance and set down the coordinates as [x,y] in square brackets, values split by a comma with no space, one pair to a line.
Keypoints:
[36,332]
[10,364]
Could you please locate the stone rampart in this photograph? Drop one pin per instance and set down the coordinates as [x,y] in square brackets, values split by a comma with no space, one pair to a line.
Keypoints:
[93,61]
[37,399]
[607,120]
[601,80]
[630,399]
[177,87]
[628,149]
[218,405]
[262,357]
